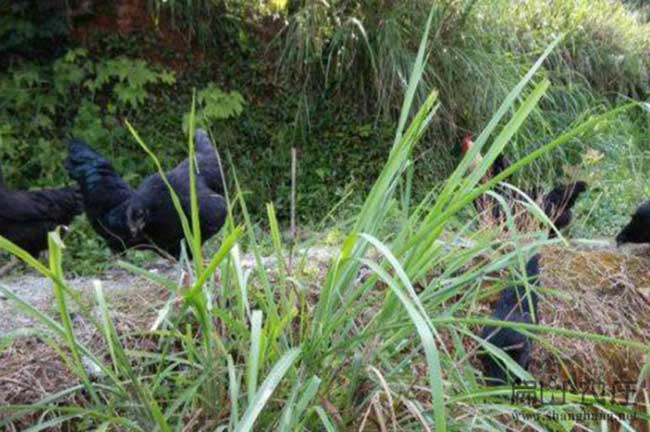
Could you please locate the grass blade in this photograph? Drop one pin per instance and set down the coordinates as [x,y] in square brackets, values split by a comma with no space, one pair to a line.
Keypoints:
[266,390]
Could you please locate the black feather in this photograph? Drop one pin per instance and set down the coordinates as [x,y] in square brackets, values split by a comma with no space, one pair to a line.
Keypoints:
[209,165]
[26,217]
[152,201]
[500,164]
[638,229]
[556,204]
[105,195]
[146,217]
[513,305]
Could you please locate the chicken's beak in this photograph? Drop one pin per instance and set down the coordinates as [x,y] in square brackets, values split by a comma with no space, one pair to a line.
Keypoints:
[134,223]
[136,227]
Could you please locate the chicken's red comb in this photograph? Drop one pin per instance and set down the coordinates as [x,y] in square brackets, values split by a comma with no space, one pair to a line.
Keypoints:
[467,143]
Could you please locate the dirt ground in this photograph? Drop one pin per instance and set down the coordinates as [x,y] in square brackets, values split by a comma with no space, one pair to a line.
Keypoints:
[37,291]
[118,285]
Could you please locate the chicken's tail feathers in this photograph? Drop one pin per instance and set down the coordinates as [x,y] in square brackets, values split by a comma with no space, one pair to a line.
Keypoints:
[202,141]
[208,161]
[79,149]
[89,168]
[565,196]
[82,160]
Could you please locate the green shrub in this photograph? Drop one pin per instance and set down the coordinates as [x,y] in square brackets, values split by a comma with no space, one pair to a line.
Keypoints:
[213,104]
[75,95]
[32,28]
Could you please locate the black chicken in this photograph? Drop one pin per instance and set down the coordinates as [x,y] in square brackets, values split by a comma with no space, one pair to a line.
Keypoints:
[638,229]
[146,217]
[27,216]
[151,212]
[513,305]
[556,204]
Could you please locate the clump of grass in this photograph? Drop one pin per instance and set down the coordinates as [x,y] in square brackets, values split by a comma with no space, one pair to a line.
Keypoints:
[381,341]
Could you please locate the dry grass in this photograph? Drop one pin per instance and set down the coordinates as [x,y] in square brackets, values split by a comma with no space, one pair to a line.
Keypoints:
[31,370]
[605,292]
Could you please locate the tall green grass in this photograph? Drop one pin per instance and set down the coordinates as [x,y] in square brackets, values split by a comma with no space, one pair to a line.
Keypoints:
[478,52]
[266,351]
